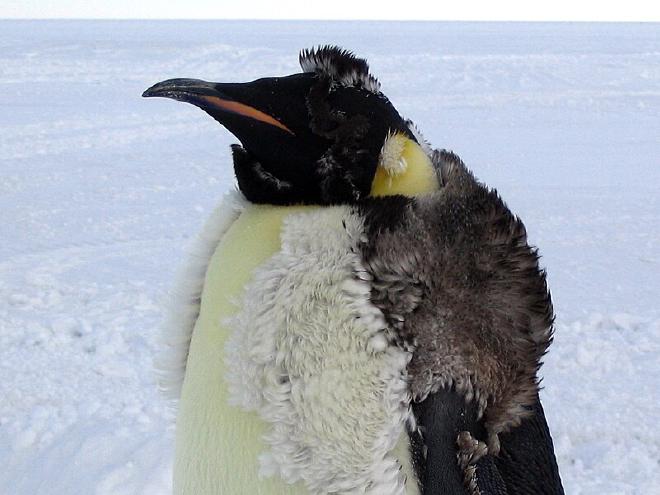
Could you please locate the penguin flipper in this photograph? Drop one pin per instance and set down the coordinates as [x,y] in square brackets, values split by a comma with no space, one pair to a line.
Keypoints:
[526,460]
[445,419]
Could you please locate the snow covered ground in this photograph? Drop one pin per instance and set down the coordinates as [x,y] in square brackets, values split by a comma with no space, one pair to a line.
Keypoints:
[100,191]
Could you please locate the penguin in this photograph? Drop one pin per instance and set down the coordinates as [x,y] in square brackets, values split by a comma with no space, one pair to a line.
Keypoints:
[362,315]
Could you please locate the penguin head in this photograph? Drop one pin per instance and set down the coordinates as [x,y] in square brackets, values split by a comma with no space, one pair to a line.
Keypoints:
[327,135]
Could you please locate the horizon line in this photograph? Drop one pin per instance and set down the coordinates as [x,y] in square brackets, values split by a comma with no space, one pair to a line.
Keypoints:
[237,19]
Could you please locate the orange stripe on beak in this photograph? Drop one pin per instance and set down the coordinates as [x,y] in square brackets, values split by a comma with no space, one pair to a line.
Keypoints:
[245,110]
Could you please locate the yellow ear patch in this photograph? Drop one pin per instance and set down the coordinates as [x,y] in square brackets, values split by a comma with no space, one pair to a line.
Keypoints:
[403,168]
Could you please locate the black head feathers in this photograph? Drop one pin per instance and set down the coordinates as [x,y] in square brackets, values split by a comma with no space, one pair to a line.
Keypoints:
[312,138]
[340,66]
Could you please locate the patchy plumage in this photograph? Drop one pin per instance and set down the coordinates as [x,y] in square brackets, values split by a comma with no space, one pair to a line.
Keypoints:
[469,287]
[340,66]
[467,296]
[371,320]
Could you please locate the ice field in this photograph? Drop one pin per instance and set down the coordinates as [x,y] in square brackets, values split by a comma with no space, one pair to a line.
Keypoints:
[101,190]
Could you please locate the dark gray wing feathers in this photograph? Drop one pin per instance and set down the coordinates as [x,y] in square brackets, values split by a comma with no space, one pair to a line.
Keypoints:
[460,286]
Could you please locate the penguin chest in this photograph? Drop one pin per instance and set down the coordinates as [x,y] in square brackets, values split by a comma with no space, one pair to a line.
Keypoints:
[292,385]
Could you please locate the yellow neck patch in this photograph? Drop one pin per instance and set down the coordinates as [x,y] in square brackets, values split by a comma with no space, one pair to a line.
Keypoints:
[403,168]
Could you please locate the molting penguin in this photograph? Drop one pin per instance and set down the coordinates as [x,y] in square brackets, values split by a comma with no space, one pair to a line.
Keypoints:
[362,316]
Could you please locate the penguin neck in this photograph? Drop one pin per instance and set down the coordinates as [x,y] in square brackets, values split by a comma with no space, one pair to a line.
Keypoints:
[403,168]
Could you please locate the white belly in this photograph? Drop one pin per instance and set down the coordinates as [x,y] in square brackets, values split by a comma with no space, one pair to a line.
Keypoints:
[218,445]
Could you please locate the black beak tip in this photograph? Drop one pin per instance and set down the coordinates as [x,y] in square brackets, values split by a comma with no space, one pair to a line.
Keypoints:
[163,88]
[155,90]
[178,88]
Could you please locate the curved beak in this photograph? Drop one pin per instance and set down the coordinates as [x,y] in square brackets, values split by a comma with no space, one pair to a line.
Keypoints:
[214,98]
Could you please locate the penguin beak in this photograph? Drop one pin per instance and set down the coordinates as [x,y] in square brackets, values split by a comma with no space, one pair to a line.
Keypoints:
[286,125]
[211,98]
[271,119]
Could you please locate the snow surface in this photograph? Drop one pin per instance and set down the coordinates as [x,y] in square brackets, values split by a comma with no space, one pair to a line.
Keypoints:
[100,191]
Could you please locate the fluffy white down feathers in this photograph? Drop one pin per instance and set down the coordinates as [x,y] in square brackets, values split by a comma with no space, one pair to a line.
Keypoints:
[185,298]
[310,354]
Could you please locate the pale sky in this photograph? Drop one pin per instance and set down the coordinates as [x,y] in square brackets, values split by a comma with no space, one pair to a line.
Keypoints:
[514,10]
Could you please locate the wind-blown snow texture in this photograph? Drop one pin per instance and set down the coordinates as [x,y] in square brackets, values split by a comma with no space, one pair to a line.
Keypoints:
[100,191]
